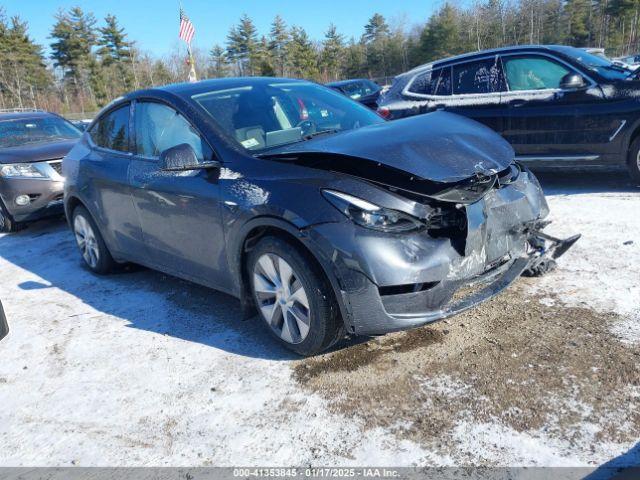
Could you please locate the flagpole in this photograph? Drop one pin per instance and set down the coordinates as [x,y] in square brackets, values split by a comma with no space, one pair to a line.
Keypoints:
[192,66]
[192,70]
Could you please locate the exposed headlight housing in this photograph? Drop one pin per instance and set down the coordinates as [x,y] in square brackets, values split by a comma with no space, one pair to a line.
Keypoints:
[21,170]
[369,215]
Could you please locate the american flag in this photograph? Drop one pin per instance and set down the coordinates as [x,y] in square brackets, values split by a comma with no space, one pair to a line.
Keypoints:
[186,28]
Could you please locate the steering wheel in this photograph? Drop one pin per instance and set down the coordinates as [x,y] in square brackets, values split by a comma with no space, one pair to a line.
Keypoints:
[307,127]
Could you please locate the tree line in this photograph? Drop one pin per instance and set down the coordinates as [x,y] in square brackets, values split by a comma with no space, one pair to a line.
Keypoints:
[91,62]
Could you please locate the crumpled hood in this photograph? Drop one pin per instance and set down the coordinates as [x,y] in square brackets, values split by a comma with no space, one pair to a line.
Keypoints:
[36,152]
[440,146]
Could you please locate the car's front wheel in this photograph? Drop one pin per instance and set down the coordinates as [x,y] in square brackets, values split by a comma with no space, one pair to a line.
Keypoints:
[633,162]
[92,247]
[293,296]
[7,223]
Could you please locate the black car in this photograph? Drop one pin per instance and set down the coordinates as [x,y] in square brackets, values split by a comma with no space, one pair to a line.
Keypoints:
[557,106]
[32,145]
[362,90]
[362,226]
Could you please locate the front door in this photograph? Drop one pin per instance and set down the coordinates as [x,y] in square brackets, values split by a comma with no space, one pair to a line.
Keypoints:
[179,211]
[545,122]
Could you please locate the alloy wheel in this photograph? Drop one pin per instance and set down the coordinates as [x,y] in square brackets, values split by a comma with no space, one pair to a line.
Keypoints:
[87,242]
[281,298]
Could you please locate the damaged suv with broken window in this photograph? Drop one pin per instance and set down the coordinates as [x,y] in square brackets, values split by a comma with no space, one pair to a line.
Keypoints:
[314,211]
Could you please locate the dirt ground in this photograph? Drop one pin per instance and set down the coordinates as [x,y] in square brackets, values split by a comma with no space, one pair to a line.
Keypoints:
[527,362]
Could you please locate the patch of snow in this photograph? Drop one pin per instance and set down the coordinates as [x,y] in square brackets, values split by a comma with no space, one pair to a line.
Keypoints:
[599,271]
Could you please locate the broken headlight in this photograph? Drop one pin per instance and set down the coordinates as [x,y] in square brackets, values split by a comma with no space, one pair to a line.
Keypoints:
[21,170]
[372,216]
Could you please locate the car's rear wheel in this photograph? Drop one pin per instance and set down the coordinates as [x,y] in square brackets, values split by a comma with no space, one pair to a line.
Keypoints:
[633,162]
[94,252]
[7,223]
[293,296]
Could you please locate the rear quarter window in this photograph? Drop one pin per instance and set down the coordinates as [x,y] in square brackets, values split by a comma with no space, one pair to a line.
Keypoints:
[432,82]
[111,131]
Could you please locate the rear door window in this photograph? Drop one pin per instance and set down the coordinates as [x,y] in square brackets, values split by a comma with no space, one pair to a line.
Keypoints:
[530,72]
[433,82]
[481,76]
[112,130]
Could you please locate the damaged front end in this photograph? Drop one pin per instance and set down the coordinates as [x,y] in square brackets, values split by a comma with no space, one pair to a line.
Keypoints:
[479,235]
[475,219]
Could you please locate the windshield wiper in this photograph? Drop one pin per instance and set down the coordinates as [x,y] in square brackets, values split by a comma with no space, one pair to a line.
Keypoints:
[309,136]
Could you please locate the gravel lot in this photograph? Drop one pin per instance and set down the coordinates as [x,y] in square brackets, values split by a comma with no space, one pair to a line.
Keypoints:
[140,368]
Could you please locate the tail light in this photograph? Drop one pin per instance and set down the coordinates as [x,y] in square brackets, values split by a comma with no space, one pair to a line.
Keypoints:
[384,112]
[304,113]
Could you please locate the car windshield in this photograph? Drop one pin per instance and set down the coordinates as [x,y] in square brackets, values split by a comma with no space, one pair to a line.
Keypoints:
[23,131]
[263,116]
[601,65]
[360,89]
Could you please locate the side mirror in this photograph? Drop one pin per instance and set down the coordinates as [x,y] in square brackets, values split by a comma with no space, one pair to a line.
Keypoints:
[572,81]
[183,158]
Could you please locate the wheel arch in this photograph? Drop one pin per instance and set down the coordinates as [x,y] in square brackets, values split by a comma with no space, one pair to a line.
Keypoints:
[633,135]
[263,226]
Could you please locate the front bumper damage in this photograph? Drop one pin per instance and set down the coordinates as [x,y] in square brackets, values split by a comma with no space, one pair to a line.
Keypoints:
[395,282]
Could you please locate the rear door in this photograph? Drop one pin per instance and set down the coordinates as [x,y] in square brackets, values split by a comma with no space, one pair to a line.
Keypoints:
[471,88]
[545,123]
[106,171]
[179,211]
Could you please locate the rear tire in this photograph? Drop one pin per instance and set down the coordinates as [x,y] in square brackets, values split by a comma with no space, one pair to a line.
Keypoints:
[633,162]
[7,223]
[293,296]
[94,251]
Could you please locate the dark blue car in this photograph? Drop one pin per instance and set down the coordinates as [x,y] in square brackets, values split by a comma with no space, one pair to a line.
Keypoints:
[326,225]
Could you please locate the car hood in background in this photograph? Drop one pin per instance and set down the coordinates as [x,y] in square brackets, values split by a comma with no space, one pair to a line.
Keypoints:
[36,152]
[439,146]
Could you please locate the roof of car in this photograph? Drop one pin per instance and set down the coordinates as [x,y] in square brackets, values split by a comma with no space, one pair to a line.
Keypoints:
[202,86]
[25,114]
[492,51]
[340,83]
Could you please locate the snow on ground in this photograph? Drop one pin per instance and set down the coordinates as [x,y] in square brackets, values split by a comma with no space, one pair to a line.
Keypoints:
[142,369]
[602,270]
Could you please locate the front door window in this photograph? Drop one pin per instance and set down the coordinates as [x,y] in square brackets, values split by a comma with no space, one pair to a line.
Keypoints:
[533,73]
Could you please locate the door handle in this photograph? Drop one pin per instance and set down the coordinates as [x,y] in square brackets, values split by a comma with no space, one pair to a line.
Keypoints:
[518,102]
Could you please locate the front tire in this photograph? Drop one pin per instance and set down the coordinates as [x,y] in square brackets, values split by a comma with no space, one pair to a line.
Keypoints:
[293,296]
[633,162]
[7,223]
[94,252]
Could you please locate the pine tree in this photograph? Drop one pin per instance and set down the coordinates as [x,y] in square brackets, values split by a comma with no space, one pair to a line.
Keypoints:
[218,62]
[302,57]
[578,14]
[262,60]
[242,45]
[355,60]
[23,75]
[115,54]
[74,37]
[441,36]
[331,58]
[278,39]
[375,39]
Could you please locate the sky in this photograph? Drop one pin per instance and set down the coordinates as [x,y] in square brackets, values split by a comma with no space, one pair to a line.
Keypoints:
[154,24]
